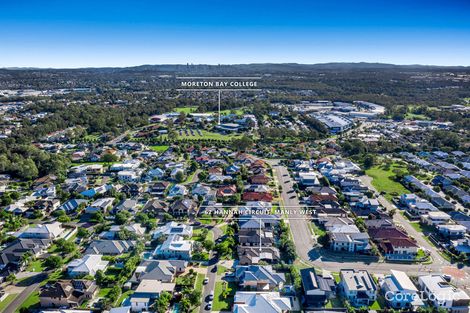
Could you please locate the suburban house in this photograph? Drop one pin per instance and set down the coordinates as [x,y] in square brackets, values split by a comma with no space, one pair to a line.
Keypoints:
[173,228]
[177,190]
[443,294]
[183,207]
[266,302]
[113,232]
[87,265]
[158,188]
[452,231]
[309,179]
[110,247]
[12,255]
[155,208]
[399,248]
[435,218]
[67,293]
[257,277]
[259,179]
[50,231]
[100,205]
[253,255]
[147,292]
[125,205]
[400,292]
[226,191]
[175,247]
[358,287]
[348,238]
[318,289]
[257,196]
[162,270]
[71,205]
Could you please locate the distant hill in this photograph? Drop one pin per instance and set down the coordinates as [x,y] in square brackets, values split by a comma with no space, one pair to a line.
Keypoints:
[259,68]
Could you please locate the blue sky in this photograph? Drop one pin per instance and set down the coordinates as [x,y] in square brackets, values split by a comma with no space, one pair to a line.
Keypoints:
[123,33]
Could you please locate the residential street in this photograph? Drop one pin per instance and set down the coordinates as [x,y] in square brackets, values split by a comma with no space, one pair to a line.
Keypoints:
[302,235]
[18,301]
[211,273]
[401,220]
[304,241]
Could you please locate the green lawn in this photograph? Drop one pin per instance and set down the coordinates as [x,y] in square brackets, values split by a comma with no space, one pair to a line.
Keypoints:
[383,182]
[221,302]
[227,112]
[208,135]
[422,228]
[337,277]
[412,116]
[123,296]
[7,301]
[221,269]
[198,285]
[91,138]
[189,178]
[161,148]
[379,304]
[334,303]
[317,230]
[103,292]
[186,110]
[35,266]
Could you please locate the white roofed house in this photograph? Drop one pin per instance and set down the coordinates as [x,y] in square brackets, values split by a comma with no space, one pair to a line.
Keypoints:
[400,292]
[309,179]
[113,233]
[100,205]
[358,287]
[147,292]
[266,302]
[435,218]
[452,231]
[443,294]
[43,231]
[88,265]
[175,247]
[173,228]
[129,176]
[348,238]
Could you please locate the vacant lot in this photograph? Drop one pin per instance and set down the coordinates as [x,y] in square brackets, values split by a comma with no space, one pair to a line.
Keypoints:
[383,180]
[223,296]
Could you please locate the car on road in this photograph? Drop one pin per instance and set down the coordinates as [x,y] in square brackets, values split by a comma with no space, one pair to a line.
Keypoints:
[206,280]
[292,197]
[209,307]
[214,269]
[210,297]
